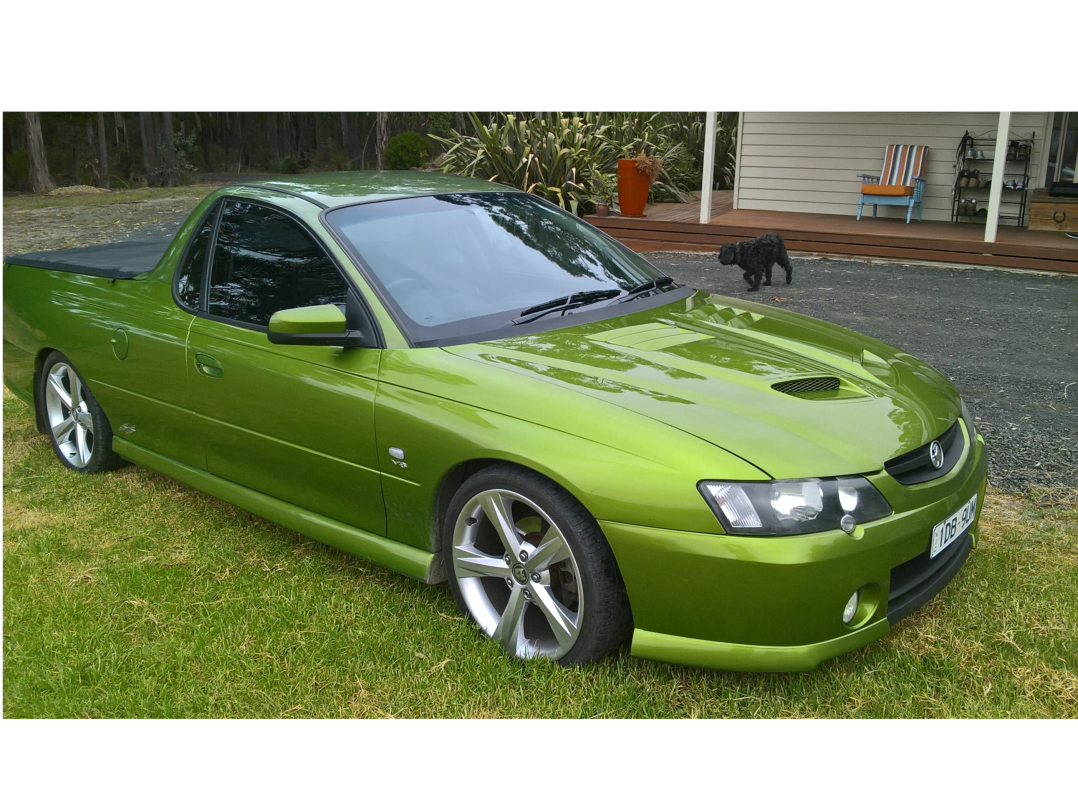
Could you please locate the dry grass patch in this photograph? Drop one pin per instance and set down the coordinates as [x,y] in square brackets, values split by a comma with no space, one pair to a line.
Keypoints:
[44,223]
[19,517]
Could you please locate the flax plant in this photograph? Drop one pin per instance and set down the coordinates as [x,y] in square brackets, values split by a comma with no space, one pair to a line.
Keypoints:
[551,156]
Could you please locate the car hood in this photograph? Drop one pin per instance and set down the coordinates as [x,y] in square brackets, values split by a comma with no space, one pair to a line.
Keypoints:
[710,365]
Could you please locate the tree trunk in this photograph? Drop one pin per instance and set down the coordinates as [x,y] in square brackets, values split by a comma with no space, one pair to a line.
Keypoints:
[274,143]
[203,142]
[120,121]
[346,141]
[125,141]
[7,148]
[239,139]
[366,141]
[103,150]
[149,148]
[382,139]
[40,179]
[168,149]
[75,156]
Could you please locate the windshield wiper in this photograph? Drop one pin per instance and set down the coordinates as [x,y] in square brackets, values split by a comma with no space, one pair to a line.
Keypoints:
[647,286]
[564,304]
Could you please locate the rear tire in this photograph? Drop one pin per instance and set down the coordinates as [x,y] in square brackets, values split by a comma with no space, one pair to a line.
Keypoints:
[78,430]
[529,564]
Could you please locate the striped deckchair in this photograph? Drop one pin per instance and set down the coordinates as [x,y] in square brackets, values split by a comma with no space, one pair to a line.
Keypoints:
[902,181]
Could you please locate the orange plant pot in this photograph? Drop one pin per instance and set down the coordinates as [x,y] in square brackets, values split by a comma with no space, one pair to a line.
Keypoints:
[633,187]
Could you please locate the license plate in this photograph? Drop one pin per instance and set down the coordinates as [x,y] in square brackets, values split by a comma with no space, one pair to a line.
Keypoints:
[952,527]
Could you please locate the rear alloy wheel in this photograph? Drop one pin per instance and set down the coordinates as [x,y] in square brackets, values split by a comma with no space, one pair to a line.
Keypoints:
[78,429]
[530,566]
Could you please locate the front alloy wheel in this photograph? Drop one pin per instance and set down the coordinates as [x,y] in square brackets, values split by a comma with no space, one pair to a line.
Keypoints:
[530,566]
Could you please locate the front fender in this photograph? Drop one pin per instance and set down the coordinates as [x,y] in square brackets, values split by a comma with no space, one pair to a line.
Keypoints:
[442,411]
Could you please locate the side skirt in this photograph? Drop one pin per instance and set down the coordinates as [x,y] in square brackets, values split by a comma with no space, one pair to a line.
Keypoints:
[427,567]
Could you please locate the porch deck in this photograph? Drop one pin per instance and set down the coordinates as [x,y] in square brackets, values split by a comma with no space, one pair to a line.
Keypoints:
[675,226]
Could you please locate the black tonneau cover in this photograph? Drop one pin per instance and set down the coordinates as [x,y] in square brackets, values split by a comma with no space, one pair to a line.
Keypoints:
[124,259]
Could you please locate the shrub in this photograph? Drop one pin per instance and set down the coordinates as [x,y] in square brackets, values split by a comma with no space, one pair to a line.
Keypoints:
[407,150]
[551,156]
[17,170]
[558,155]
[683,169]
[689,130]
[177,159]
[653,134]
[726,150]
[289,164]
[602,188]
[440,124]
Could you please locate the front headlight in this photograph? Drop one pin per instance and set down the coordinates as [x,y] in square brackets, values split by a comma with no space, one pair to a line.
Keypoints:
[789,507]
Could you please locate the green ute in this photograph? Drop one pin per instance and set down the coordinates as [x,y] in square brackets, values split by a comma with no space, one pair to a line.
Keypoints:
[467,384]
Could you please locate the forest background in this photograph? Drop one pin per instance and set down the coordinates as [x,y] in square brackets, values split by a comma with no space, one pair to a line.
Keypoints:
[565,156]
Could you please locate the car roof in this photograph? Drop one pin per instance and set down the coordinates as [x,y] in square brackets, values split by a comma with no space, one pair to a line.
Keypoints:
[334,189]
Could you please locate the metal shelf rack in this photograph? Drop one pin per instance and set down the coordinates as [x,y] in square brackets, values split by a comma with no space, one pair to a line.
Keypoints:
[978,153]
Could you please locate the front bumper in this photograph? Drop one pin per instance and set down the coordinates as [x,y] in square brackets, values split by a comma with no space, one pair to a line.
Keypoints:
[775,604]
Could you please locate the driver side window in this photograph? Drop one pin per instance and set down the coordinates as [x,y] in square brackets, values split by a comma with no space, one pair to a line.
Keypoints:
[264,261]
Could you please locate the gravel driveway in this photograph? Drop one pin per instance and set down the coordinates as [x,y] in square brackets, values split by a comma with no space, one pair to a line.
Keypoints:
[1008,340]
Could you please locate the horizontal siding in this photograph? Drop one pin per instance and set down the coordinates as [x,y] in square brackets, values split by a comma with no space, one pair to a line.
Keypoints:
[832,196]
[821,174]
[963,120]
[809,161]
[822,206]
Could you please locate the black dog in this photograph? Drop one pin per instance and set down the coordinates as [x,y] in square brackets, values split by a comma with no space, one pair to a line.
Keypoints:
[756,257]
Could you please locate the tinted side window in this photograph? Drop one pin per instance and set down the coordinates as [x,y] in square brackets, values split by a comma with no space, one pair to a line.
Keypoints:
[189,277]
[264,261]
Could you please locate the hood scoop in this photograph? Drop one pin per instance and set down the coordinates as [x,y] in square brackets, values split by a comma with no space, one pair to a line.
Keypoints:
[818,388]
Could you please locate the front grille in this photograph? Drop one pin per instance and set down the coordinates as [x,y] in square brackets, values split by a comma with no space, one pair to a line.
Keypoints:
[917,581]
[807,388]
[916,466]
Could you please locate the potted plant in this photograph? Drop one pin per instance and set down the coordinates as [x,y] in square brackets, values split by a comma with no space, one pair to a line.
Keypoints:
[635,176]
[602,190]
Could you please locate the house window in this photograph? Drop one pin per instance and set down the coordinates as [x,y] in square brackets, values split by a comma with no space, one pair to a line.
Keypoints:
[1062,148]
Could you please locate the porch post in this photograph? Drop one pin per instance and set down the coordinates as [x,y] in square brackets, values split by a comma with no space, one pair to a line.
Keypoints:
[708,182]
[999,165]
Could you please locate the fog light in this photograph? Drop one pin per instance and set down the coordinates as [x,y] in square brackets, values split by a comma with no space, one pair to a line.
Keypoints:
[851,609]
[848,523]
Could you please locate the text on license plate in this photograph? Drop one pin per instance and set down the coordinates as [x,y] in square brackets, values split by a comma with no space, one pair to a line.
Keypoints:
[952,527]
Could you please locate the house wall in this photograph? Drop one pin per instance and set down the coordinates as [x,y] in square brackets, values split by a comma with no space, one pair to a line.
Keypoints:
[809,161]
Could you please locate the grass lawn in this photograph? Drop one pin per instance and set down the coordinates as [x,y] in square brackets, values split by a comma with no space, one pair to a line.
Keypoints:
[127,594]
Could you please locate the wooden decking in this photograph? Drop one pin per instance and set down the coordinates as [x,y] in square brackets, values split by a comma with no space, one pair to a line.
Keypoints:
[689,212]
[676,227]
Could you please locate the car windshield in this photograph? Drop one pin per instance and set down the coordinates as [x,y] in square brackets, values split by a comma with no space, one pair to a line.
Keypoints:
[453,265]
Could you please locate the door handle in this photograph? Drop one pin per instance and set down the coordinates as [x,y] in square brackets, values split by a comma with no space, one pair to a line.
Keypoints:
[208,366]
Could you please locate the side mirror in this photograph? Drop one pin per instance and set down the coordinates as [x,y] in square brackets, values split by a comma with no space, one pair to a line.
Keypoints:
[314,325]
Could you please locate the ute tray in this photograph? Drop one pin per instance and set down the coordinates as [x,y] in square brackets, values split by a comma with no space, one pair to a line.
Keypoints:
[124,259]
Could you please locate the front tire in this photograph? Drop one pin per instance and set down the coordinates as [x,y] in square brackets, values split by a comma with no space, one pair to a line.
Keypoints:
[78,430]
[531,567]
